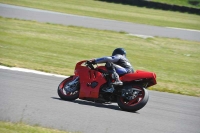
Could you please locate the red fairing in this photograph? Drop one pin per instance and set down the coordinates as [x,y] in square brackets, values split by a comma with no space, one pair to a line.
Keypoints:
[87,78]
[139,74]
[102,67]
[79,67]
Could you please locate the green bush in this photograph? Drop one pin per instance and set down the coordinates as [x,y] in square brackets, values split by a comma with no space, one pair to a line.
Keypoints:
[194,2]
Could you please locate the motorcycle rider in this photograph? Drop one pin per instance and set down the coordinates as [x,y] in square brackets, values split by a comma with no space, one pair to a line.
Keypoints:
[117,64]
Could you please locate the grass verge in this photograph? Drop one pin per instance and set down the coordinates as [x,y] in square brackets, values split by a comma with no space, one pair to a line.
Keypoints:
[114,11]
[7,127]
[57,48]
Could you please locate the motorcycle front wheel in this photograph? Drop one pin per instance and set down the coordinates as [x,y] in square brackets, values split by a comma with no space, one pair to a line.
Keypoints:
[68,95]
[138,102]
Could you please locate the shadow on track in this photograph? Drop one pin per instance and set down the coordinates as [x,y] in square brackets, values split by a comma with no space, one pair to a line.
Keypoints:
[99,105]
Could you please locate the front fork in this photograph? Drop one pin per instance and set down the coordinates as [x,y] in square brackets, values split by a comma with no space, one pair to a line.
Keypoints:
[71,86]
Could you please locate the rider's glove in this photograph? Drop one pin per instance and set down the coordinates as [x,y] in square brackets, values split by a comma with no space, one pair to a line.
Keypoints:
[91,62]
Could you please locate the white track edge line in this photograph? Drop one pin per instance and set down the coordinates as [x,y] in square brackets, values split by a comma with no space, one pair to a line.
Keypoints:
[32,71]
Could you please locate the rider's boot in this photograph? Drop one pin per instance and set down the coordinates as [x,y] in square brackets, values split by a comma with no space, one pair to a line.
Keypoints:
[117,81]
[115,76]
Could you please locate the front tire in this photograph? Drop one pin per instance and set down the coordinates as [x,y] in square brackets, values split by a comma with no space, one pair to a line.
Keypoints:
[69,96]
[135,104]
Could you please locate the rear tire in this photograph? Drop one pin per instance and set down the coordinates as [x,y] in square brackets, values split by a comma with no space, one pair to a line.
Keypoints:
[135,104]
[70,95]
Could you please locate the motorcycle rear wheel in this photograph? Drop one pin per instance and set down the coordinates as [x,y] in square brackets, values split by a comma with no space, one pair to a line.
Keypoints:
[135,104]
[69,96]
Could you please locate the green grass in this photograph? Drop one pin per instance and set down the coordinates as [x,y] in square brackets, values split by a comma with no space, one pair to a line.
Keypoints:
[180,2]
[57,48]
[7,127]
[114,11]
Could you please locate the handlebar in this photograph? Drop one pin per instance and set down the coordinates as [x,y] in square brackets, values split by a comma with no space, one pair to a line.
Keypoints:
[89,64]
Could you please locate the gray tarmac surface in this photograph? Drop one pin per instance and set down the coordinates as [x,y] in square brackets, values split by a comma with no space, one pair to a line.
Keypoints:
[90,22]
[33,99]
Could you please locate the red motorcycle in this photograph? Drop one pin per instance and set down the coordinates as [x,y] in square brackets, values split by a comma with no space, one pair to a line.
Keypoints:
[89,83]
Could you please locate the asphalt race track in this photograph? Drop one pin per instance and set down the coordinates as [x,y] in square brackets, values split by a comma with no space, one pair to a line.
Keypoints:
[32,98]
[90,22]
